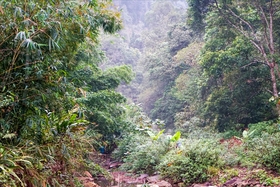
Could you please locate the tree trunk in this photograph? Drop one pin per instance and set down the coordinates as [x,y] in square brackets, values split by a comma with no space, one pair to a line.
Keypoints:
[273,80]
[274,86]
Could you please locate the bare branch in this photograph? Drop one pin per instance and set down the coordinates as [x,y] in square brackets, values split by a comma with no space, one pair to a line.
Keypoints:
[255,43]
[265,25]
[271,27]
[244,21]
[269,91]
[254,62]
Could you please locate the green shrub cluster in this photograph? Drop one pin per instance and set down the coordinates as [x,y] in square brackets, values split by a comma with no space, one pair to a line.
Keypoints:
[265,150]
[269,127]
[143,154]
[192,162]
[180,160]
[202,155]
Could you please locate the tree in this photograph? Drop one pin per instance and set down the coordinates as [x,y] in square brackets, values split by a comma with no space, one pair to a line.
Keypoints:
[96,94]
[235,89]
[254,20]
[38,40]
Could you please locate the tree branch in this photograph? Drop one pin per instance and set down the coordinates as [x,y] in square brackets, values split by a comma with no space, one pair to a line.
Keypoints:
[265,25]
[271,27]
[244,21]
[254,62]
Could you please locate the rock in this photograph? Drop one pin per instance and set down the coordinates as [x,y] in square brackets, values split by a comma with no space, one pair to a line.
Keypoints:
[142,178]
[114,165]
[153,179]
[230,182]
[91,184]
[85,178]
[163,184]
[203,185]
[150,185]
[235,182]
[86,173]
[181,184]
[88,181]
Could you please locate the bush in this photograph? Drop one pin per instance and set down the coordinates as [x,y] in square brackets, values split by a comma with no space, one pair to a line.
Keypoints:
[143,154]
[269,127]
[230,133]
[265,150]
[192,162]
[51,164]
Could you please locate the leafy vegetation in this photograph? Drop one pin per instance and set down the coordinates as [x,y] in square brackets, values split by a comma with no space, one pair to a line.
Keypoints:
[55,101]
[204,156]
[202,103]
[190,162]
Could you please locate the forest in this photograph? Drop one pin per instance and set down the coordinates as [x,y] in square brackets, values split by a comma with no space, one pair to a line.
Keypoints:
[146,93]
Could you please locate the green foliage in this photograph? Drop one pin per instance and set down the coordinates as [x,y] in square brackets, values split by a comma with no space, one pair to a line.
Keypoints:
[48,127]
[141,146]
[155,41]
[231,133]
[191,162]
[228,174]
[234,91]
[265,178]
[119,51]
[233,59]
[264,150]
[13,164]
[51,83]
[139,124]
[202,155]
[95,91]
[104,111]
[153,136]
[38,43]
[187,89]
[49,164]
[143,155]
[176,137]
[165,108]
[260,128]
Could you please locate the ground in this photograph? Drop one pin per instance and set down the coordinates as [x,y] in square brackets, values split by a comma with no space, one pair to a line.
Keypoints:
[228,177]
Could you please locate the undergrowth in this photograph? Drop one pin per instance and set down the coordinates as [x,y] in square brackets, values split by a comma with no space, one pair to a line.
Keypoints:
[55,163]
[198,157]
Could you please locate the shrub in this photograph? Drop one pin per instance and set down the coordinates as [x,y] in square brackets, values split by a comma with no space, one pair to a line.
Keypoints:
[192,162]
[228,174]
[143,154]
[269,127]
[264,178]
[50,164]
[265,150]
[230,133]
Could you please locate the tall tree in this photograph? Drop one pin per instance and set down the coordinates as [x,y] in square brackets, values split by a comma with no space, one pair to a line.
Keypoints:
[255,21]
